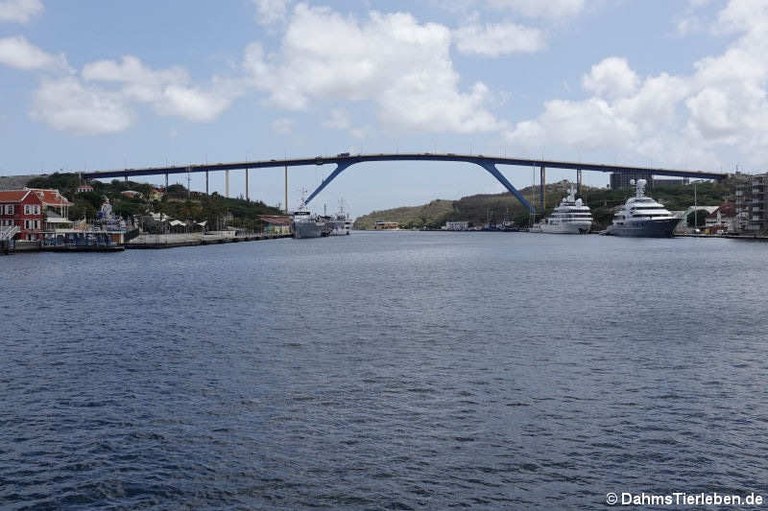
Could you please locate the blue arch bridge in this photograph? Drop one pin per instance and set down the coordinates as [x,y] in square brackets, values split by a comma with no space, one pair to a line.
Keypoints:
[345,160]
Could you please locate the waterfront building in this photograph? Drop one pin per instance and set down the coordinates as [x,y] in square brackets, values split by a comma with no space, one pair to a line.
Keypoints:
[33,211]
[752,203]
[386,226]
[276,225]
[721,220]
[457,226]
[620,181]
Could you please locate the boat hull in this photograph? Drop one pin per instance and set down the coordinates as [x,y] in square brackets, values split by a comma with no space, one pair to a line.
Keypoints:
[566,228]
[645,228]
[339,227]
[305,230]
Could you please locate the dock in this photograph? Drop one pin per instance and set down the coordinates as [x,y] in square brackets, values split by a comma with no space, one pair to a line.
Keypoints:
[158,241]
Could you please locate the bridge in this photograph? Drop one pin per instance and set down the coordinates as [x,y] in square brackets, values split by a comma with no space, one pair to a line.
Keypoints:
[345,160]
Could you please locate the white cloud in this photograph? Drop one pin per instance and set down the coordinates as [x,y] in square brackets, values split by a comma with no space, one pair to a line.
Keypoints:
[168,90]
[194,104]
[271,11]
[587,124]
[498,39]
[104,99]
[68,106]
[540,8]
[403,67]
[20,11]
[19,53]
[612,77]
[744,16]
[722,107]
[339,119]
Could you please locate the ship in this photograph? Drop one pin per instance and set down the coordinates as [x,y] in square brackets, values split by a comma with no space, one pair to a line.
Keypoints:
[571,216]
[642,216]
[306,225]
[339,224]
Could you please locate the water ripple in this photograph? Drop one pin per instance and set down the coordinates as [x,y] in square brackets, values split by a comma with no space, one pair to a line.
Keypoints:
[396,371]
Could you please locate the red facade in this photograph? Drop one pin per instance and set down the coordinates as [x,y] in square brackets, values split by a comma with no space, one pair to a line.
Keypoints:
[29,210]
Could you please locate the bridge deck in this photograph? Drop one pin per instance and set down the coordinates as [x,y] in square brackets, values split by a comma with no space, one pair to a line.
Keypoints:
[346,160]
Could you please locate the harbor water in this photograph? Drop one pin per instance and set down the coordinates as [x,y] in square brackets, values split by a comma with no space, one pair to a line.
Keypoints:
[387,370]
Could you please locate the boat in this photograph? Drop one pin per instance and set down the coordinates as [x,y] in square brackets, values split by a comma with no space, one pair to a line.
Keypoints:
[642,216]
[306,225]
[571,216]
[339,224]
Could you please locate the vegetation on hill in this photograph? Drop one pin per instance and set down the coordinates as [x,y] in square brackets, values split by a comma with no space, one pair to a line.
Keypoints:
[480,210]
[177,202]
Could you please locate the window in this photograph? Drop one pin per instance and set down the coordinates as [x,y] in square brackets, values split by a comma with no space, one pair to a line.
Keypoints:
[31,209]
[8,209]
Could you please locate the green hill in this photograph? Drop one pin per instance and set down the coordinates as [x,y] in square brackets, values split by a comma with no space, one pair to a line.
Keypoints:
[177,202]
[480,210]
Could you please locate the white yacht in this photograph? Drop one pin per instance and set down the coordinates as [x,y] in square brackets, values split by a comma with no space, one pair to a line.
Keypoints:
[641,216]
[571,216]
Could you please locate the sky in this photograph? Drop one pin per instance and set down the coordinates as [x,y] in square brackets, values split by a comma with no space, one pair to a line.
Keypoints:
[94,85]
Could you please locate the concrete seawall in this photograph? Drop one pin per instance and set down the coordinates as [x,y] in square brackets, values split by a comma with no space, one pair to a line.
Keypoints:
[150,241]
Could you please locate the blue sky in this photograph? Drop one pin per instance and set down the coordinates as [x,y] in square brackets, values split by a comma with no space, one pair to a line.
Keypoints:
[92,85]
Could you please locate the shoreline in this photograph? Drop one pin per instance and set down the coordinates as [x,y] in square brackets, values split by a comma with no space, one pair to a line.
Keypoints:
[161,241]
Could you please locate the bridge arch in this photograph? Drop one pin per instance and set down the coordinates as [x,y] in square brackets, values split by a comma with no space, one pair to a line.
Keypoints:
[489,166]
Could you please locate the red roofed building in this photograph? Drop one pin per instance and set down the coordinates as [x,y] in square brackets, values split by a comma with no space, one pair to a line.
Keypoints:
[33,211]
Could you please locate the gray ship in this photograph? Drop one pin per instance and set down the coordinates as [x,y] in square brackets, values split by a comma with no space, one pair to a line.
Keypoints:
[307,225]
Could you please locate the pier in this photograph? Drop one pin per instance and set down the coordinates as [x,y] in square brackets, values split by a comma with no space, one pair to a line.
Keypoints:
[157,241]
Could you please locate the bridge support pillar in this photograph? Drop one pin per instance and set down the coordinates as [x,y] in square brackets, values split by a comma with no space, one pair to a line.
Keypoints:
[340,167]
[578,181]
[226,184]
[285,206]
[542,188]
[206,183]
[247,197]
[166,182]
[491,168]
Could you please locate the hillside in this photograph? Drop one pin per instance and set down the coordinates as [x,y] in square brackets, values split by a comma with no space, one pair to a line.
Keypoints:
[177,202]
[480,210]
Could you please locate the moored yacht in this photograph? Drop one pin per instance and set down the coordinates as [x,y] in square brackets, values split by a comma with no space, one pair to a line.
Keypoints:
[571,216]
[340,224]
[642,216]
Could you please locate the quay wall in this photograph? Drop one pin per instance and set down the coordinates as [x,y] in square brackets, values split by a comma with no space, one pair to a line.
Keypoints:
[150,241]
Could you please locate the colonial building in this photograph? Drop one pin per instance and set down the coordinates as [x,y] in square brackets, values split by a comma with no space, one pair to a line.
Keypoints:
[33,211]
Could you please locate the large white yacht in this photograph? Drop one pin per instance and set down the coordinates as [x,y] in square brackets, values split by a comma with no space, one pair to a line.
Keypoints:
[571,216]
[641,216]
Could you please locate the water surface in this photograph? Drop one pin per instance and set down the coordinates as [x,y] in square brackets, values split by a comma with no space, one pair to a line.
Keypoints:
[384,371]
